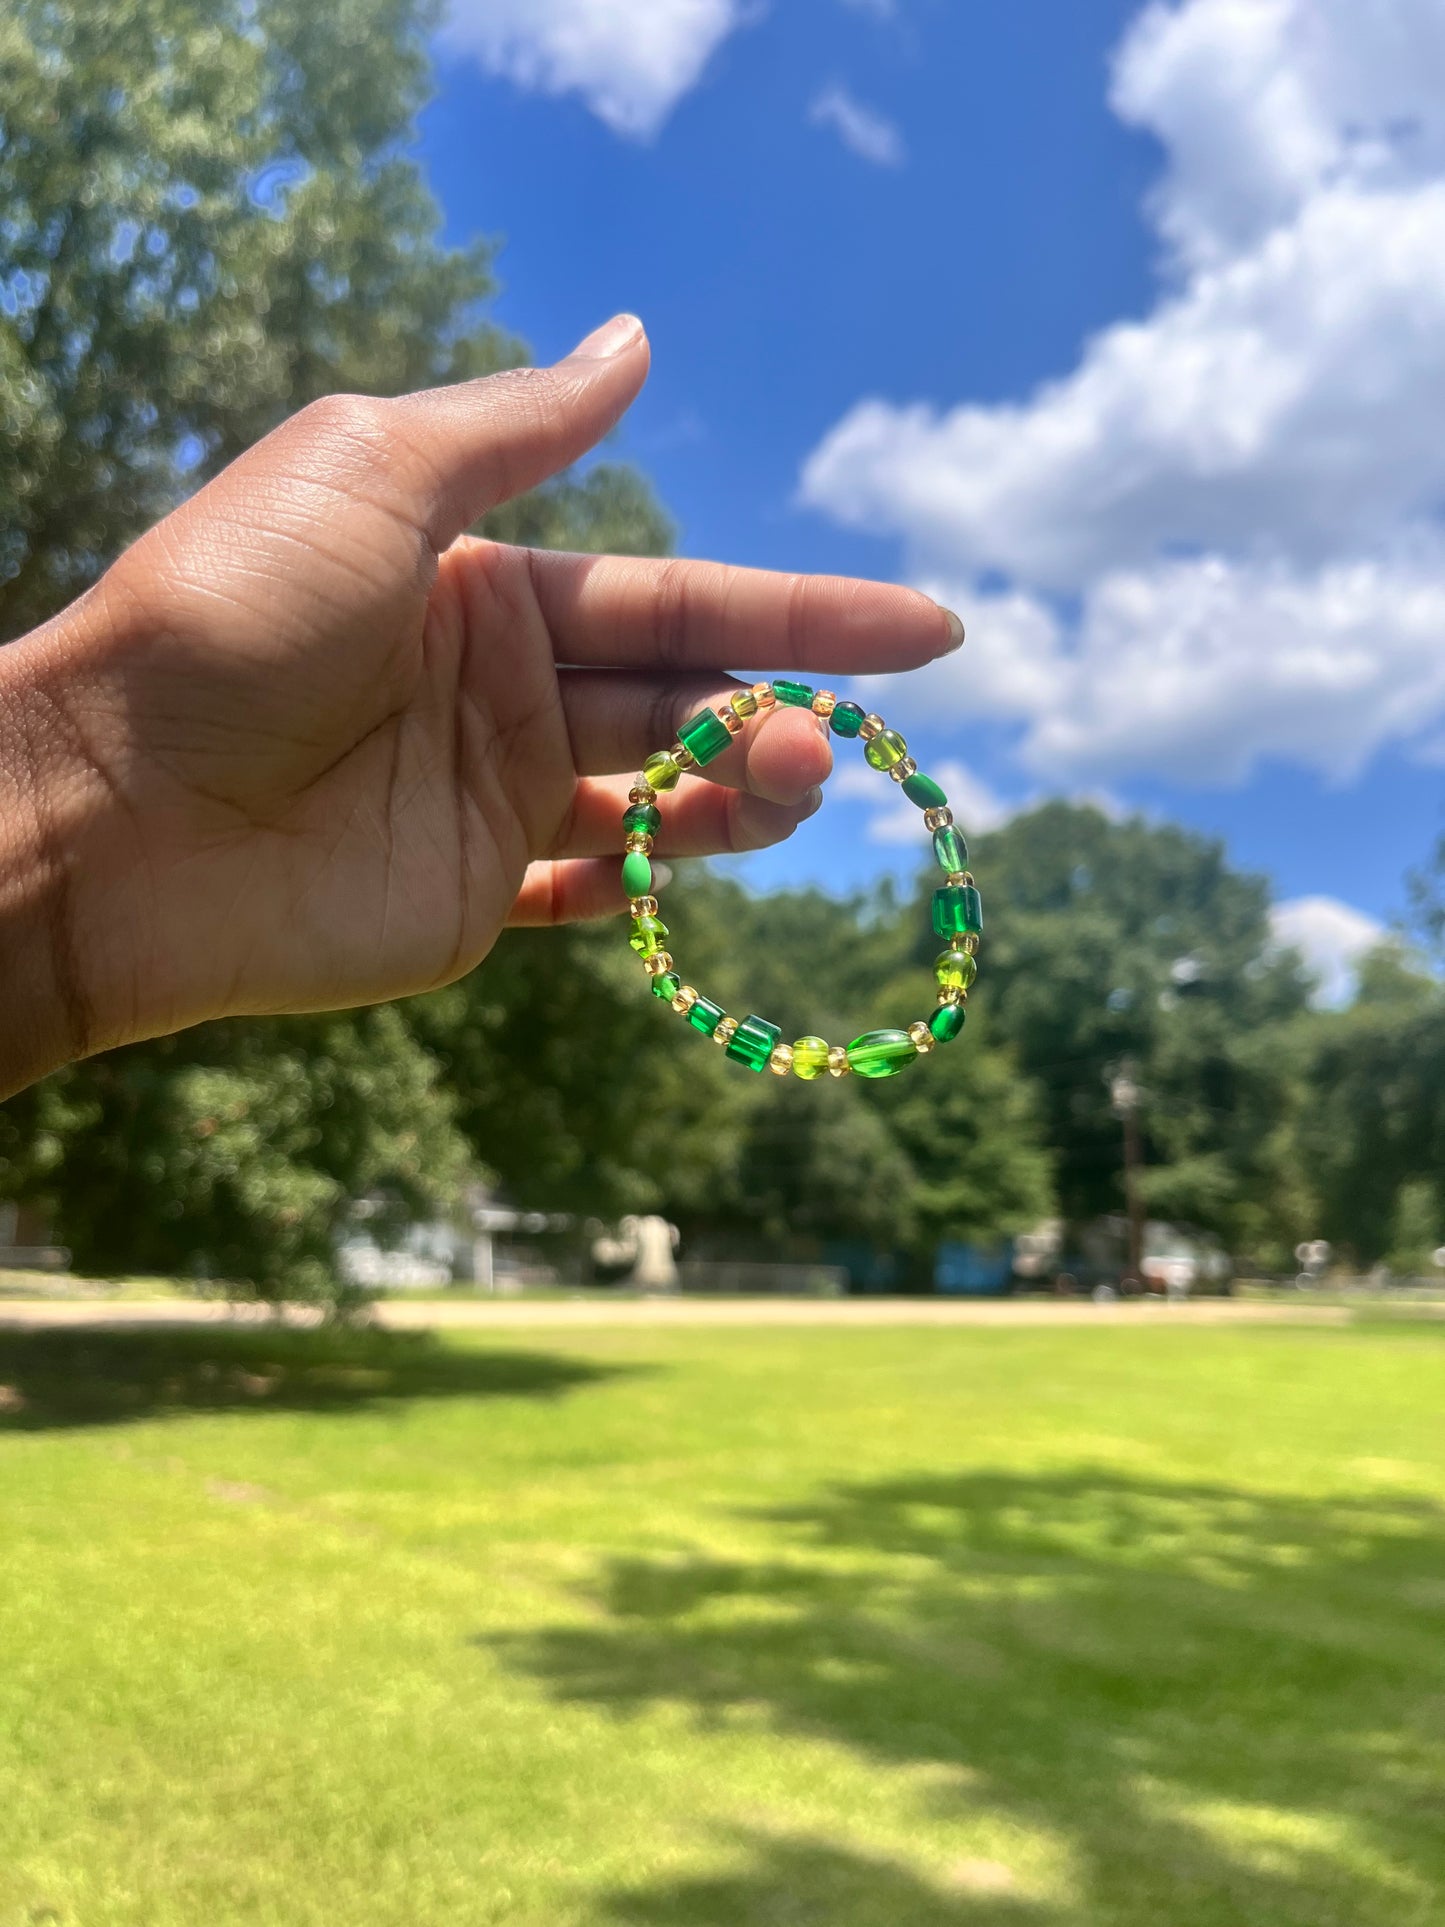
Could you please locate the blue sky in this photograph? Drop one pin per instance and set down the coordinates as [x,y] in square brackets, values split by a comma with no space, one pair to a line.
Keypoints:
[1121,328]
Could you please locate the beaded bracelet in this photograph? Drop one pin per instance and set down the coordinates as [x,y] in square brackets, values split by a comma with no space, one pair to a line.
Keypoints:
[957,906]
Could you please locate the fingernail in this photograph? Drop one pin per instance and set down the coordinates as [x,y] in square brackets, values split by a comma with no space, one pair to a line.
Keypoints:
[608,340]
[812,802]
[955,629]
[662,875]
[757,823]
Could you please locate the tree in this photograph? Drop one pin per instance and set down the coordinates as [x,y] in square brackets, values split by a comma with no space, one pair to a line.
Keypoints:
[1109,941]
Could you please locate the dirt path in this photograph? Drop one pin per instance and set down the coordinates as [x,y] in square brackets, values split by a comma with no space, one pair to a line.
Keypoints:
[687,1313]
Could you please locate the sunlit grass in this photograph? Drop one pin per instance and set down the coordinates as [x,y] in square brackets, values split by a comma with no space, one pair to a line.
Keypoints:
[876,1628]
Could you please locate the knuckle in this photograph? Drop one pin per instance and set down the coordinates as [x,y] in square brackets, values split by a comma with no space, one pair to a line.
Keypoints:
[668,615]
[360,423]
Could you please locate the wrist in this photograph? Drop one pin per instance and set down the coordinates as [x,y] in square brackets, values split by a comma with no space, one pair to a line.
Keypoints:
[52,801]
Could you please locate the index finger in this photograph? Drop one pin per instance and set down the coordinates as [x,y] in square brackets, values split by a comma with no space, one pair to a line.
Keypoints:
[669,614]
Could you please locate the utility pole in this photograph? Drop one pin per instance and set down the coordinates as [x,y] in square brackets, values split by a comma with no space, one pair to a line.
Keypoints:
[1124,1094]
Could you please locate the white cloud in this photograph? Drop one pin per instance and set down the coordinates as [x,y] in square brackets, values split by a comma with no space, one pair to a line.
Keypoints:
[1331,936]
[863,131]
[630,60]
[1237,499]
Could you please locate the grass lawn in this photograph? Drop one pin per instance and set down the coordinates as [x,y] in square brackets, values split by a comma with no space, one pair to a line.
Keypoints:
[888,1628]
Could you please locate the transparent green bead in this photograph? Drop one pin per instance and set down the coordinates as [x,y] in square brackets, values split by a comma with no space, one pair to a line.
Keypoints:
[949,848]
[752,1042]
[957,910]
[743,703]
[881,1053]
[705,1015]
[636,874]
[649,935]
[810,1057]
[955,969]
[661,770]
[886,749]
[667,985]
[923,791]
[947,1021]
[645,817]
[847,719]
[796,695]
[706,735]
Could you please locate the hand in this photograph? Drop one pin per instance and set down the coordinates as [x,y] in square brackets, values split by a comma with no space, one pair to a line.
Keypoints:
[306,745]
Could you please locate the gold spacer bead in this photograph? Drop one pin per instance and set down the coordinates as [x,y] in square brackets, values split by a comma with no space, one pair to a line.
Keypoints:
[824,703]
[765,694]
[724,1032]
[970,943]
[939,819]
[901,771]
[642,793]
[640,840]
[968,876]
[954,878]
[923,1037]
[682,756]
[730,720]
[870,727]
[838,1065]
[781,1061]
[643,906]
[685,999]
[657,964]
[953,996]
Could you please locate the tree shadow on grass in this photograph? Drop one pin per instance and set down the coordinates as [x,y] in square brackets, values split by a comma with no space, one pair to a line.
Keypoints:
[1215,1705]
[99,1376]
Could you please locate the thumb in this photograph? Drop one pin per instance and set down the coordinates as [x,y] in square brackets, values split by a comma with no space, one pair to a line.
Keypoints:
[487,440]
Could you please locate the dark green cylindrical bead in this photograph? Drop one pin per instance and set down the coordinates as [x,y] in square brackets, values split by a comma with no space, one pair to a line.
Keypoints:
[886,749]
[706,735]
[752,1042]
[649,934]
[881,1053]
[705,1015]
[667,985]
[636,874]
[958,910]
[643,817]
[947,1021]
[847,718]
[923,791]
[796,695]
[949,848]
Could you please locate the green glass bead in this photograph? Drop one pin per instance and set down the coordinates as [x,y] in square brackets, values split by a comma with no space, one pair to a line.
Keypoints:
[643,817]
[955,969]
[810,1057]
[847,719]
[886,749]
[661,770]
[752,1042]
[796,695]
[881,1053]
[949,848]
[649,934]
[947,1021]
[972,910]
[667,985]
[636,874]
[706,735]
[705,1015]
[923,791]
[743,703]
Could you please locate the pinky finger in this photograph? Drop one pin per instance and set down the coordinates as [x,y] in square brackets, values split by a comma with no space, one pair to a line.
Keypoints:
[569,891]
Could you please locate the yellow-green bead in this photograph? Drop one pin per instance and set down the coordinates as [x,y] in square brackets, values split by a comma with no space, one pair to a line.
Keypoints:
[810,1057]
[661,770]
[955,969]
[743,703]
[886,749]
[649,934]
